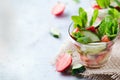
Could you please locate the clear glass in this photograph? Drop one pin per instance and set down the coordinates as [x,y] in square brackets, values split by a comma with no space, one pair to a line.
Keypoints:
[94,59]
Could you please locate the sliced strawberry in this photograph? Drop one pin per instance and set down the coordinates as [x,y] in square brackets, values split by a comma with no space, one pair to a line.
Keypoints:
[76,30]
[109,45]
[101,57]
[58,9]
[63,61]
[84,58]
[105,38]
[96,7]
[91,28]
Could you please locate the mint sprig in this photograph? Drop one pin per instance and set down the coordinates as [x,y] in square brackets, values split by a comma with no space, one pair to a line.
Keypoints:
[81,19]
[77,20]
[81,22]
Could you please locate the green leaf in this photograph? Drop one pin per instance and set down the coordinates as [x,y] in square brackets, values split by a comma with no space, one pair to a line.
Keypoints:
[77,35]
[81,19]
[109,26]
[77,1]
[118,2]
[94,17]
[103,3]
[100,3]
[114,13]
[83,16]
[77,20]
[81,10]
[75,25]
[107,3]
[84,40]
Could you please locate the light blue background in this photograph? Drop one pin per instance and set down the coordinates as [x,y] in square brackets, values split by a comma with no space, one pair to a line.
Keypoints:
[26,47]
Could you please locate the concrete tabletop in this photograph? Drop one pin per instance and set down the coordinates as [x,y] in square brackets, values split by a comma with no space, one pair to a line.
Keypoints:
[26,47]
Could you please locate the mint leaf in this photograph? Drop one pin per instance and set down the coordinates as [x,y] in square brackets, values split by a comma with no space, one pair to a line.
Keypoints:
[107,3]
[109,26]
[103,3]
[77,35]
[100,3]
[80,20]
[83,16]
[114,13]
[84,40]
[94,17]
[105,26]
[115,28]
[77,20]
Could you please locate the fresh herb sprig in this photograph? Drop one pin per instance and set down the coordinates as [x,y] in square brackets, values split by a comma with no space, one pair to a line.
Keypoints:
[114,13]
[81,19]
[109,26]
[81,22]
[103,3]
[94,17]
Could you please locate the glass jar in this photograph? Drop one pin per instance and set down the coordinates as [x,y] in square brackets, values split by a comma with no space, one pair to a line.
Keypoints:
[92,55]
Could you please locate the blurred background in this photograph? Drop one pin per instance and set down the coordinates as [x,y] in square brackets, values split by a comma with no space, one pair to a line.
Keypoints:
[26,47]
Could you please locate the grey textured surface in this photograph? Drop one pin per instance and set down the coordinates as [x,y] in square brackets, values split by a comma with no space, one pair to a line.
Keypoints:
[26,47]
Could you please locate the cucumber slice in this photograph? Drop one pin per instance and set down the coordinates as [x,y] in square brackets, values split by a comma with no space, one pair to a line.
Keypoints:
[55,32]
[94,48]
[98,43]
[78,68]
[92,36]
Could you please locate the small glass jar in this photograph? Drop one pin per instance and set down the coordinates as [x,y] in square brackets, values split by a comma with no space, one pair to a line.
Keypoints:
[91,54]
